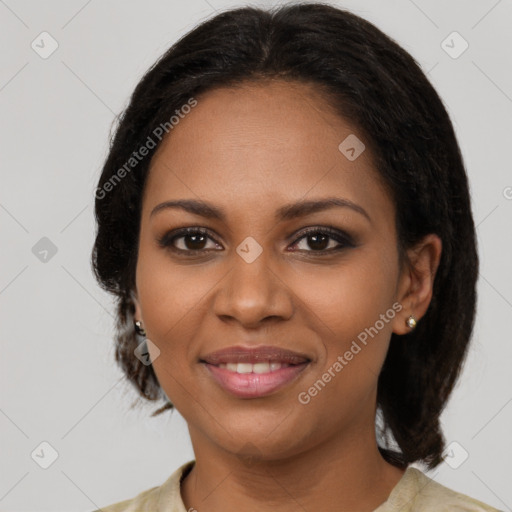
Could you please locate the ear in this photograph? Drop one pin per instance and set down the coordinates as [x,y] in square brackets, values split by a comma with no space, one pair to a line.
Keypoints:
[137,316]
[416,281]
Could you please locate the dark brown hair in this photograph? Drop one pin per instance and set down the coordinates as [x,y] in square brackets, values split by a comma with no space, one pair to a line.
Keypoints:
[377,86]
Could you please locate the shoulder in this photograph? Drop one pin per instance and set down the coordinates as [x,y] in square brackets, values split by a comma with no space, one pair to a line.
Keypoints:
[146,500]
[416,492]
[163,498]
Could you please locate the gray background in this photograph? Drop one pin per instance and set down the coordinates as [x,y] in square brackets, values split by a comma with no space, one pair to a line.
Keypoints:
[58,379]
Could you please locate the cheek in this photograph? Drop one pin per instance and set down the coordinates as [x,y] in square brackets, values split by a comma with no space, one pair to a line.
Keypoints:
[353,311]
[350,297]
[170,298]
[167,290]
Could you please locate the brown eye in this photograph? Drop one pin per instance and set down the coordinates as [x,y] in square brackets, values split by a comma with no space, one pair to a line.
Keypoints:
[318,241]
[193,242]
[322,239]
[187,240]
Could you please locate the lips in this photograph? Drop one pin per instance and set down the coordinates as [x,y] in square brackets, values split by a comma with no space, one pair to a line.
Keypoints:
[256,371]
[254,355]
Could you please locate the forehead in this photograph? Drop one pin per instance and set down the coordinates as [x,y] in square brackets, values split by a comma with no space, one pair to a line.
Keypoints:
[260,145]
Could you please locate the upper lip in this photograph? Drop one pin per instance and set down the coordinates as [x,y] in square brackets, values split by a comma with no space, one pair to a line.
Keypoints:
[240,354]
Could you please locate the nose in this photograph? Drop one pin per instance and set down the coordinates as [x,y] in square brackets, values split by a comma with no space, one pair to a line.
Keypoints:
[253,294]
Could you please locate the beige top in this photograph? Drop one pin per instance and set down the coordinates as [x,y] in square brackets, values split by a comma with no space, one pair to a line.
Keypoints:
[415,492]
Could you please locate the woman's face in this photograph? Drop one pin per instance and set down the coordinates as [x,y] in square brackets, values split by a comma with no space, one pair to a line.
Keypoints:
[256,279]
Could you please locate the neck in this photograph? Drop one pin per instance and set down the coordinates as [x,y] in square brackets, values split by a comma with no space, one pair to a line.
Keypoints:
[345,473]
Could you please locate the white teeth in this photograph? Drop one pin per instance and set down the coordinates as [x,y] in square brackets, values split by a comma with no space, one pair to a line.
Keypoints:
[263,367]
[260,368]
[244,368]
[275,366]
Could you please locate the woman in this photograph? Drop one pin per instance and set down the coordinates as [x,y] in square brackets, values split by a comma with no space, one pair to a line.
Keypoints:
[285,220]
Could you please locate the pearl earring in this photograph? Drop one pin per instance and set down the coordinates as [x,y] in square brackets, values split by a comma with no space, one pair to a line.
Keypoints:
[411,322]
[139,329]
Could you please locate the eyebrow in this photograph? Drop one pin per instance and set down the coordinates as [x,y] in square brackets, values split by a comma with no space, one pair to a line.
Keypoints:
[287,212]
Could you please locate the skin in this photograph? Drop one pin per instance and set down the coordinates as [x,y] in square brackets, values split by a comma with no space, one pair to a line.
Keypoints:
[251,150]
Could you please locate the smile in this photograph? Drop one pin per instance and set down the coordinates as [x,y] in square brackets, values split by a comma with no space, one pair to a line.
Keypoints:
[254,372]
[263,367]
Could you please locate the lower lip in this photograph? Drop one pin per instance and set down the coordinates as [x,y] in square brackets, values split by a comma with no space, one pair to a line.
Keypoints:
[254,385]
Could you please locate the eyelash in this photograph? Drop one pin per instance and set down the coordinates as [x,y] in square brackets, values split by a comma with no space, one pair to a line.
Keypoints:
[168,239]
